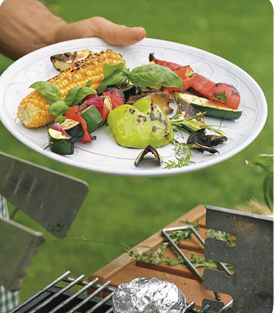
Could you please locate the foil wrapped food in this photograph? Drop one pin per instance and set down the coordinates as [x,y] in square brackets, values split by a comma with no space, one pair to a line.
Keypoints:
[148,295]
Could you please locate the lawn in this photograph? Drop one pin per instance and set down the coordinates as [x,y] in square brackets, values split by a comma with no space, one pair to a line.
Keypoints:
[124,209]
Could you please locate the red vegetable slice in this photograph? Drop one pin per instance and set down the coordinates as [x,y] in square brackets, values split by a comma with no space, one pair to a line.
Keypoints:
[226,94]
[202,85]
[75,114]
[171,65]
[186,75]
[57,127]
[116,96]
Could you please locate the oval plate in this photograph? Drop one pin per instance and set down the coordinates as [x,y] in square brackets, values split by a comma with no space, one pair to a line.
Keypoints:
[104,155]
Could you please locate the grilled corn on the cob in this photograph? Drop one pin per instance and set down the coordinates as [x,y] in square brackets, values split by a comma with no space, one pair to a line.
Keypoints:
[33,109]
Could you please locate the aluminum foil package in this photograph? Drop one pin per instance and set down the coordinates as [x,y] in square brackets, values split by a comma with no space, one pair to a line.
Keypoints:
[148,295]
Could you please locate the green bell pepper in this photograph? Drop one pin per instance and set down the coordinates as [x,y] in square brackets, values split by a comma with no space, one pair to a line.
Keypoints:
[139,125]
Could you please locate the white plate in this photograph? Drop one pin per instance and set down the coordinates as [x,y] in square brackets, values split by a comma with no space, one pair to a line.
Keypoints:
[104,155]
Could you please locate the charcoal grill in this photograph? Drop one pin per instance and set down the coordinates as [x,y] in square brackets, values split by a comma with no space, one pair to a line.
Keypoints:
[53,298]
[251,286]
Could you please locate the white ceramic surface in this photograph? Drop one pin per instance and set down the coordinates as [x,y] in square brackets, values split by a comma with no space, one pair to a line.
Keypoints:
[104,155]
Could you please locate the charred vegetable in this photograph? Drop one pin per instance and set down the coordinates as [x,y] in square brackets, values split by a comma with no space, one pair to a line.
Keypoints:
[93,118]
[73,129]
[60,143]
[116,96]
[65,60]
[187,111]
[140,125]
[210,107]
[202,142]
[146,151]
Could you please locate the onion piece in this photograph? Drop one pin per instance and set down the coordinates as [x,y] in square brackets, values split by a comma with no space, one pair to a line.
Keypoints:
[92,100]
[57,127]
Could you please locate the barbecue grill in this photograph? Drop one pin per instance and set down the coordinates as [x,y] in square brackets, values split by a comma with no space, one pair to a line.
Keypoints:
[250,285]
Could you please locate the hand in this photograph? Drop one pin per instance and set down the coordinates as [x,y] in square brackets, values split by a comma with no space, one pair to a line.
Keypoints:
[28,25]
[117,35]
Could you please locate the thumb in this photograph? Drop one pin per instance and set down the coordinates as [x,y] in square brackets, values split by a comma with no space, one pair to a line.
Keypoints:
[114,34]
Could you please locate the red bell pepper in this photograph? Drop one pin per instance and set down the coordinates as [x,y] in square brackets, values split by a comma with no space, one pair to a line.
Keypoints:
[226,94]
[75,114]
[202,85]
[171,65]
[186,75]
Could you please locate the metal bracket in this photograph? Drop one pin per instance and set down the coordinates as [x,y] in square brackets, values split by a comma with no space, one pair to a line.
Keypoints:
[251,286]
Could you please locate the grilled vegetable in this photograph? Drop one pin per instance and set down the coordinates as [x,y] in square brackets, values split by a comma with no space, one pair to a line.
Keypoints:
[202,142]
[65,60]
[33,109]
[224,93]
[73,128]
[184,72]
[116,96]
[212,108]
[143,153]
[60,143]
[75,114]
[93,118]
[140,125]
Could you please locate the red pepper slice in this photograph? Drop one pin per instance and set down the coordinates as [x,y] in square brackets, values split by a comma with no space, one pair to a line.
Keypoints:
[226,94]
[171,65]
[202,85]
[186,75]
[75,114]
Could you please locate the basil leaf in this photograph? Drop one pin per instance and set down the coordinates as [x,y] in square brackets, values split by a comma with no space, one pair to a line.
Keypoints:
[49,91]
[154,74]
[75,95]
[89,83]
[60,118]
[110,68]
[58,108]
[119,76]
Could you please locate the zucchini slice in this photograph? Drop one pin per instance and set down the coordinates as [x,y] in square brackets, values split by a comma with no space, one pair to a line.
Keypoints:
[212,108]
[60,143]
[93,118]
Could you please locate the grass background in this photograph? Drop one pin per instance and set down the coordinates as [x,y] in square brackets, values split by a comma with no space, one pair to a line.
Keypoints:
[121,209]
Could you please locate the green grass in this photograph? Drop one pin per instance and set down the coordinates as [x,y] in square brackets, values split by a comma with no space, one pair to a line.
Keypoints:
[121,209]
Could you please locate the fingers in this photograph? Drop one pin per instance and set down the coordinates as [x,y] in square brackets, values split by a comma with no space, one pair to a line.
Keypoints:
[114,34]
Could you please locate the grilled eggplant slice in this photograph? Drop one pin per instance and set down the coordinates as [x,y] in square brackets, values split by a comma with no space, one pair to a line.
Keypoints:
[73,129]
[148,149]
[202,142]
[65,60]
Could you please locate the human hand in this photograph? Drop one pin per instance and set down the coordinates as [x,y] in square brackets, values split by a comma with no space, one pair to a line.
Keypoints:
[28,25]
[114,34]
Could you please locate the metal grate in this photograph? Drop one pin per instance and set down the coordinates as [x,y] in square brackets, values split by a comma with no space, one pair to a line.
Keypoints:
[52,298]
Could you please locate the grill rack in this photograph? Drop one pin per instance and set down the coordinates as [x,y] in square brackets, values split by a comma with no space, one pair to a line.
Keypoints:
[52,298]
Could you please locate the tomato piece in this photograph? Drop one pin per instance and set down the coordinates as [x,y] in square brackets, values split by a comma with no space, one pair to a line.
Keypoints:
[226,94]
[75,114]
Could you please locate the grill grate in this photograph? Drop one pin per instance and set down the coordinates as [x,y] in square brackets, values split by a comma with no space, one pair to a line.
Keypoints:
[53,298]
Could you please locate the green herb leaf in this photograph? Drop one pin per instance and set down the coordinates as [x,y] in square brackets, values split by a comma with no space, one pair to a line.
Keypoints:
[119,76]
[89,83]
[49,91]
[58,107]
[60,118]
[75,95]
[110,68]
[220,96]
[154,74]
[263,160]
